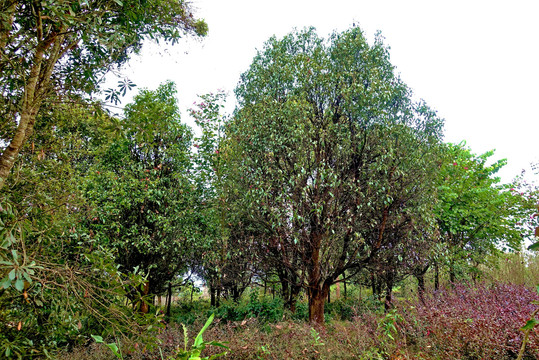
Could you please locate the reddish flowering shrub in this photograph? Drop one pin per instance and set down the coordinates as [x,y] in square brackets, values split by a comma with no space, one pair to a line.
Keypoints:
[473,322]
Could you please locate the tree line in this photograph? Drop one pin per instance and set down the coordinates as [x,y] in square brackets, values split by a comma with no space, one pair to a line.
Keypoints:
[327,172]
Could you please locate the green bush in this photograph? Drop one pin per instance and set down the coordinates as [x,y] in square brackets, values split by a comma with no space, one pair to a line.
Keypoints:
[190,312]
[341,309]
[265,309]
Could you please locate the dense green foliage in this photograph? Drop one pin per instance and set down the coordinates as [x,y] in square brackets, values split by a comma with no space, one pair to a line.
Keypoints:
[328,180]
[336,160]
[140,196]
[50,50]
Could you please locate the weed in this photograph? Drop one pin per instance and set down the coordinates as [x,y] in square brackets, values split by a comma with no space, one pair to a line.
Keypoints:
[317,340]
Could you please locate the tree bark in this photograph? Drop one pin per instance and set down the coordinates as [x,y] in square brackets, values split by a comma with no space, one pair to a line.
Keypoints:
[387,303]
[329,296]
[294,292]
[317,290]
[35,89]
[452,276]
[317,301]
[235,294]
[169,299]
[285,289]
[144,308]
[376,287]
[421,286]
[212,296]
[436,277]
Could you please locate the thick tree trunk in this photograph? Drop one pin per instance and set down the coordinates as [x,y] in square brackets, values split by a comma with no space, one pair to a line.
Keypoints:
[389,291]
[235,294]
[293,297]
[387,303]
[345,292]
[285,290]
[317,301]
[317,289]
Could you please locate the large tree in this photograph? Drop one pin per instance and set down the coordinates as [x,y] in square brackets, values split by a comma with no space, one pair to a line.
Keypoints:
[54,280]
[48,48]
[141,197]
[325,133]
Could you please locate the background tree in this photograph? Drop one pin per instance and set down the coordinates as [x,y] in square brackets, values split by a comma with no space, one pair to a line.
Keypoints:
[227,261]
[140,193]
[317,129]
[477,215]
[48,49]
[57,285]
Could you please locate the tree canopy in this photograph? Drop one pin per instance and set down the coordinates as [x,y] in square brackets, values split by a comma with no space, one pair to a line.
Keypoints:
[332,150]
[49,49]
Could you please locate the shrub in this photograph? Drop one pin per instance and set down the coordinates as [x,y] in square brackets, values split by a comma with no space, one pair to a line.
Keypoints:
[341,309]
[473,322]
[190,312]
[265,309]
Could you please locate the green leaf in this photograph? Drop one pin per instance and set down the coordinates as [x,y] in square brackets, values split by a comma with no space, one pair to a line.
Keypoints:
[534,246]
[98,339]
[26,275]
[19,285]
[114,348]
[12,275]
[5,283]
[530,324]
[198,339]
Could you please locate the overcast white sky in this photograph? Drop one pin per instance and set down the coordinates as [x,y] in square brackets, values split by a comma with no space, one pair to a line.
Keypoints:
[476,62]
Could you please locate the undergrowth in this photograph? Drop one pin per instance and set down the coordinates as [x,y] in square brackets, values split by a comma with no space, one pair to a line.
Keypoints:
[468,322]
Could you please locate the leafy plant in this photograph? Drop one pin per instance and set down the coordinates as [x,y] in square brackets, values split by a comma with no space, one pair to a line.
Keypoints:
[112,346]
[264,309]
[195,351]
[387,325]
[472,321]
[317,340]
